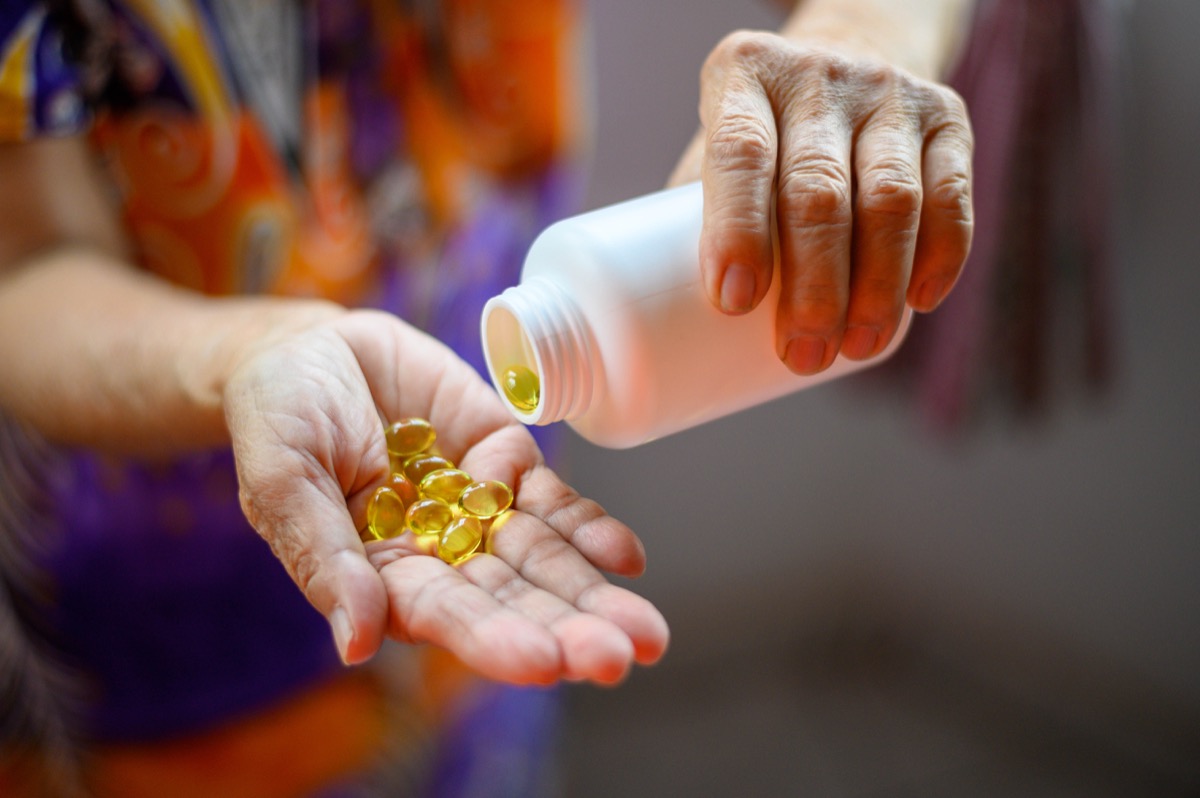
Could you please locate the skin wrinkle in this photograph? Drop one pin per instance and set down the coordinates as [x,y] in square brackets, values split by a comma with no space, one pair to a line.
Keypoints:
[952,194]
[542,556]
[382,553]
[604,659]
[485,639]
[740,142]
[513,591]
[302,563]
[630,564]
[289,543]
[511,588]
[945,111]
[876,291]
[412,616]
[584,513]
[570,502]
[815,196]
[953,201]
[326,450]
[586,599]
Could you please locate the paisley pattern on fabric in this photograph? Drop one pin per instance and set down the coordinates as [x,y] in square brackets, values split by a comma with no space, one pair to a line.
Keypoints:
[399,154]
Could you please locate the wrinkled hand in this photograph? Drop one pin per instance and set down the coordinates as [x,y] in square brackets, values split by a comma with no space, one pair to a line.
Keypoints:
[306,419]
[864,168]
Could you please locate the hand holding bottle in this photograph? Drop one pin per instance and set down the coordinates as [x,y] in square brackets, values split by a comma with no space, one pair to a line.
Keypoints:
[833,139]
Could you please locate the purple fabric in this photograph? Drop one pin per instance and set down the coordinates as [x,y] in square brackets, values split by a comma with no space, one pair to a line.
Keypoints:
[501,745]
[168,606]
[170,602]
[1038,80]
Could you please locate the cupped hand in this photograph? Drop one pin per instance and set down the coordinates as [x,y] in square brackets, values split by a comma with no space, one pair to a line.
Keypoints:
[861,169]
[306,417]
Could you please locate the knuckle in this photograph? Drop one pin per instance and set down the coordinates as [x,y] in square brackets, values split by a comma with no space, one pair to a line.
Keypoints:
[741,141]
[745,45]
[818,307]
[950,101]
[738,52]
[949,117]
[825,65]
[956,131]
[304,567]
[950,196]
[816,194]
[876,299]
[890,190]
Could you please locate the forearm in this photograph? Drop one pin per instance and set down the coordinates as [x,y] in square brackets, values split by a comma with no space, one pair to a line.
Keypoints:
[95,353]
[921,36]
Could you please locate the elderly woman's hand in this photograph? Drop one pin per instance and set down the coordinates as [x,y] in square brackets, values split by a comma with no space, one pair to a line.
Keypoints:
[861,169]
[305,415]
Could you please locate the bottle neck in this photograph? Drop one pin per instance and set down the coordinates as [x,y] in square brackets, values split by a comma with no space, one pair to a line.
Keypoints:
[539,326]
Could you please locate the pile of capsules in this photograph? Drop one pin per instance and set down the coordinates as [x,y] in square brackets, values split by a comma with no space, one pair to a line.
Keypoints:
[448,511]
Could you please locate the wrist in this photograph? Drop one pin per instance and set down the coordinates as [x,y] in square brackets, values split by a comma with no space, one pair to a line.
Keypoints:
[145,363]
[921,37]
[236,330]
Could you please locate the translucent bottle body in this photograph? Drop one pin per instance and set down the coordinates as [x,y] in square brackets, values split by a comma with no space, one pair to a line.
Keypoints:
[612,317]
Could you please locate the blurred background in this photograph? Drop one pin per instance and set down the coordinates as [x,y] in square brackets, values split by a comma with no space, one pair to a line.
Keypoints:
[862,608]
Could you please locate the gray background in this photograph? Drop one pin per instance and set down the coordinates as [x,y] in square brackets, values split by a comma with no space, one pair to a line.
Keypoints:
[1072,545]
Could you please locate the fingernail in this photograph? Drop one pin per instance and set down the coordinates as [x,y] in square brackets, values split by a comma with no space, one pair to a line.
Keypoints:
[805,354]
[859,342]
[931,293]
[343,632]
[737,288]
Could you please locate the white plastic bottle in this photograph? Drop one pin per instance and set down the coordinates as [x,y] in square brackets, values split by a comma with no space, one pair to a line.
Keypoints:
[611,315]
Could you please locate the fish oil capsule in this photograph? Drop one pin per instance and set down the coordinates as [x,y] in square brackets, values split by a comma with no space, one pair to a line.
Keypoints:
[385,513]
[485,499]
[404,488]
[460,538]
[445,484]
[428,516]
[522,388]
[417,467]
[409,436]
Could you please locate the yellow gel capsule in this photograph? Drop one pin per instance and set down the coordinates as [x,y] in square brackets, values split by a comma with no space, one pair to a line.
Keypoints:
[409,436]
[445,484]
[417,467]
[385,513]
[404,488]
[429,516]
[460,539]
[485,499]
[522,388]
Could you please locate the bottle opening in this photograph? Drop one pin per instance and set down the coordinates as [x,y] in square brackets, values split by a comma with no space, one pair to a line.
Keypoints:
[512,362]
[537,349]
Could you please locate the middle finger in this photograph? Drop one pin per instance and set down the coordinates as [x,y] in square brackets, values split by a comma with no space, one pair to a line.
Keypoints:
[813,214]
[887,210]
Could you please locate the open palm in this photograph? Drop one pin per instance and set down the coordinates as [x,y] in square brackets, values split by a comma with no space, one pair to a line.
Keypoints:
[306,419]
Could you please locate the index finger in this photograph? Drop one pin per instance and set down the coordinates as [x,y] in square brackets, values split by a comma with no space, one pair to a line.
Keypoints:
[738,174]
